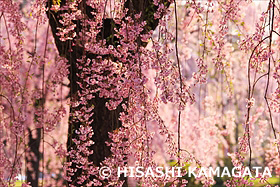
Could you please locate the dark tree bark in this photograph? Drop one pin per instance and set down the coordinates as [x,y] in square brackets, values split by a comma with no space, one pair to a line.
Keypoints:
[104,120]
[32,157]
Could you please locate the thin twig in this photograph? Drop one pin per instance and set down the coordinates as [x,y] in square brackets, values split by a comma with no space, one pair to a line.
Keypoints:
[181,80]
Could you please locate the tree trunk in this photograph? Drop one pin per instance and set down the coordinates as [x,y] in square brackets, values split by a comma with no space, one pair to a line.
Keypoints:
[104,120]
[33,155]
[32,158]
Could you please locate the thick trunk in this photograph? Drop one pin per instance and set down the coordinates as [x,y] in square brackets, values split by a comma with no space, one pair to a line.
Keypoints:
[104,120]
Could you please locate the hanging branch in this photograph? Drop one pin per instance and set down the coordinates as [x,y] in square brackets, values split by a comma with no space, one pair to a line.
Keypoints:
[271,24]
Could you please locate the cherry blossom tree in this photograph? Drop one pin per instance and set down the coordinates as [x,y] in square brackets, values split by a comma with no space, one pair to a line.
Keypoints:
[87,84]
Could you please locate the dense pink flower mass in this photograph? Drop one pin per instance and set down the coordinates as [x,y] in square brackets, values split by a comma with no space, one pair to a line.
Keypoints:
[190,83]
